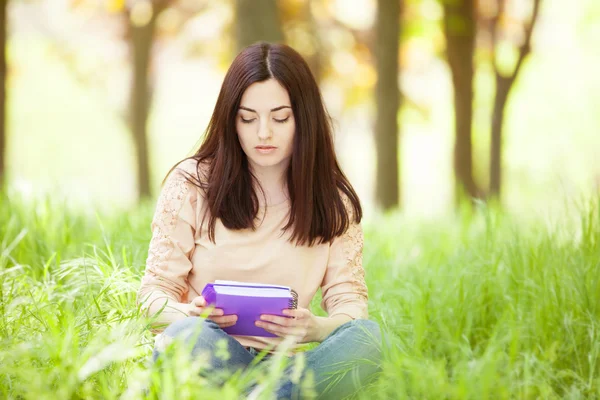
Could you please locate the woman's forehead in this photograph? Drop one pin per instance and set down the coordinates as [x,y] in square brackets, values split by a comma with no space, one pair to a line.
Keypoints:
[265,96]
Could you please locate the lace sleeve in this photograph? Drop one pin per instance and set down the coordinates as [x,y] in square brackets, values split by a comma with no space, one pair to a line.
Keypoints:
[173,227]
[344,288]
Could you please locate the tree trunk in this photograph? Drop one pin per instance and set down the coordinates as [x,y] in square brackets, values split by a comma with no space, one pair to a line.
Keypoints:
[315,62]
[503,86]
[257,20]
[3,29]
[303,32]
[459,28]
[141,39]
[388,102]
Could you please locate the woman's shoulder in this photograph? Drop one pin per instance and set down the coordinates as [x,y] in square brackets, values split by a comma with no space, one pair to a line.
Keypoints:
[193,171]
[193,167]
[187,176]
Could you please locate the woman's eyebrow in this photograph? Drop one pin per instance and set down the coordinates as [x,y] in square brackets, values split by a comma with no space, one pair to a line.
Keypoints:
[272,109]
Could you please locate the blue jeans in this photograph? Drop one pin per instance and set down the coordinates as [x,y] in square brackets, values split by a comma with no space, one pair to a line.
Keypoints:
[346,360]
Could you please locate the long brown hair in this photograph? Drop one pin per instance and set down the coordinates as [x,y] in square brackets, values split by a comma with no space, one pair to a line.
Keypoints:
[317,186]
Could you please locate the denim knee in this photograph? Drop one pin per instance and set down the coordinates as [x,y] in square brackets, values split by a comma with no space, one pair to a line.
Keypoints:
[186,325]
[368,324]
[184,329]
[367,328]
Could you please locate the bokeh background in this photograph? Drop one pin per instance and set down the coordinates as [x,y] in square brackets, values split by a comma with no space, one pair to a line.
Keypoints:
[102,97]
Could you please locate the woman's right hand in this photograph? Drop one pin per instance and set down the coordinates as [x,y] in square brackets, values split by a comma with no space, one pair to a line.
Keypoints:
[198,308]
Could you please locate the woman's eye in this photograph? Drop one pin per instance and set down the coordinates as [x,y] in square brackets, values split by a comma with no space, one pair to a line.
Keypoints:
[247,121]
[281,121]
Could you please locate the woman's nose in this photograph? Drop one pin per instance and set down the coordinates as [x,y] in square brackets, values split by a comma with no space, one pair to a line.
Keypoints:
[264,130]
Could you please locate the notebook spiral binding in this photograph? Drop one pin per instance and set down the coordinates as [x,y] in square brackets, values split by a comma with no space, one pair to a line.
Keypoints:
[293,303]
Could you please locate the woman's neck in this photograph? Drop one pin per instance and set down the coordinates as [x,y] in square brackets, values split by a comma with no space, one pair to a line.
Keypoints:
[273,181]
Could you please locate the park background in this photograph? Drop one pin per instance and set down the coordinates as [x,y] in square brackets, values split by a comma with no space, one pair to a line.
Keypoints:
[69,86]
[481,254]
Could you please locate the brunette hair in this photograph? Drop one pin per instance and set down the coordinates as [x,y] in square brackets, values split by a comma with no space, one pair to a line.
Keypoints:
[320,193]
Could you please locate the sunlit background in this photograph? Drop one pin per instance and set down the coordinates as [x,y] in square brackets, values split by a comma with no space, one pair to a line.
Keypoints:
[69,77]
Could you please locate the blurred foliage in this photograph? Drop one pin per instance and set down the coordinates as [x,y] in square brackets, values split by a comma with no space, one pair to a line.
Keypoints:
[81,53]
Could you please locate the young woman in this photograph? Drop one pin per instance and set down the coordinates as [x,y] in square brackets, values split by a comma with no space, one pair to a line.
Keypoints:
[264,200]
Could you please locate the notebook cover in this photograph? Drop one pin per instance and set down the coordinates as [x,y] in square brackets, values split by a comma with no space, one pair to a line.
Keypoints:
[247,308]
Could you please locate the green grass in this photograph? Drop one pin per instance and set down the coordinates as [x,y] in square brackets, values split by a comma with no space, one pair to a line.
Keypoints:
[476,306]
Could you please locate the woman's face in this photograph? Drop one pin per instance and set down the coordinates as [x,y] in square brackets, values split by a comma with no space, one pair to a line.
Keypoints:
[265,125]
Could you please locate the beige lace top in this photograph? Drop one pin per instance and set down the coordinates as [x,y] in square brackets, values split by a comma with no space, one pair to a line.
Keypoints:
[181,259]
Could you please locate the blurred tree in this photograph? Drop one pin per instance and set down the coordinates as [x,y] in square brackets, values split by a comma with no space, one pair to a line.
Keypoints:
[3,30]
[303,32]
[345,51]
[257,20]
[313,51]
[388,102]
[504,81]
[141,19]
[460,31]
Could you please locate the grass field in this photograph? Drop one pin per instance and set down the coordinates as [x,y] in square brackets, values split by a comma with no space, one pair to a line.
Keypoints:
[477,306]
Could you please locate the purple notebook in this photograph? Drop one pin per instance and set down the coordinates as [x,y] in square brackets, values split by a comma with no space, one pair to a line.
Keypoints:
[249,301]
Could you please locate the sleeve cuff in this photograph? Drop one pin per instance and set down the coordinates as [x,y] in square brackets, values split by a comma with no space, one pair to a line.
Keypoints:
[353,311]
[168,311]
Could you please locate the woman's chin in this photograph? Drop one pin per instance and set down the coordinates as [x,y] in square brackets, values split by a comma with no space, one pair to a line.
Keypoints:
[263,163]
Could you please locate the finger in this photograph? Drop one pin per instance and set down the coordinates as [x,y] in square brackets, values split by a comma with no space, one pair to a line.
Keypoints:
[199,301]
[195,311]
[295,313]
[225,319]
[204,311]
[226,325]
[216,311]
[281,330]
[283,321]
[271,328]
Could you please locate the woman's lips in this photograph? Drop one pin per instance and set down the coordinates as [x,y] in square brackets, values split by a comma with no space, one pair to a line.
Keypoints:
[265,149]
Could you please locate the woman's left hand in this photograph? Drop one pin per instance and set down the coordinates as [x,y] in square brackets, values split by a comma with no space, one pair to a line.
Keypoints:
[303,325]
